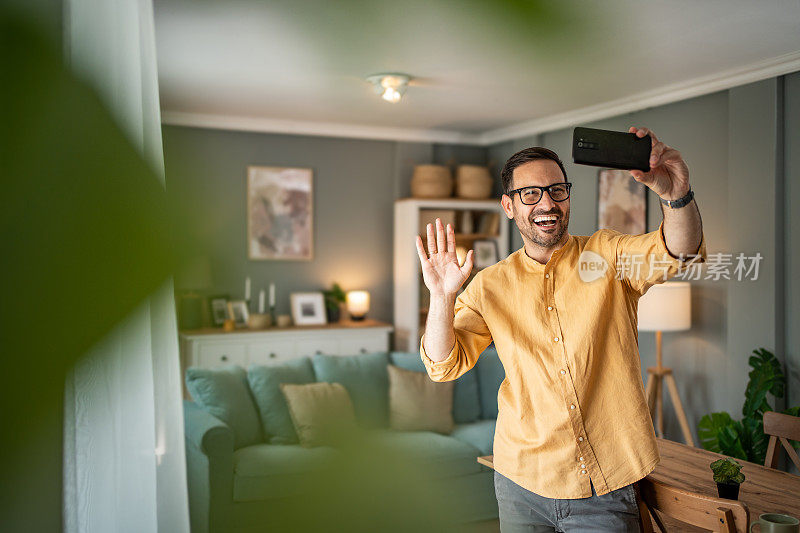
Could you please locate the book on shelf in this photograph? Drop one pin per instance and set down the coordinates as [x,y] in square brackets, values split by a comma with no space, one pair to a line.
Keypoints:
[489,223]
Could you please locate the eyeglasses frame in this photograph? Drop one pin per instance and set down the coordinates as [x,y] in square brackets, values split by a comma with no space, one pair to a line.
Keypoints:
[546,189]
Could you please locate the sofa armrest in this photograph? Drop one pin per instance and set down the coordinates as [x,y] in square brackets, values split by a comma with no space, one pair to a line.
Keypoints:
[206,432]
[209,469]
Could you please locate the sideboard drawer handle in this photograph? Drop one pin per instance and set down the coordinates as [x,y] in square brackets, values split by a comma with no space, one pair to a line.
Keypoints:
[272,355]
[363,350]
[319,351]
[224,357]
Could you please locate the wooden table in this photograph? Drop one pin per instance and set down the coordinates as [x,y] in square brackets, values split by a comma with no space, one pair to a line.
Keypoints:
[764,490]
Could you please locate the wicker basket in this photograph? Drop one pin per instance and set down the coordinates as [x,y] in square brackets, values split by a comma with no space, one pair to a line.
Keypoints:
[431,181]
[473,182]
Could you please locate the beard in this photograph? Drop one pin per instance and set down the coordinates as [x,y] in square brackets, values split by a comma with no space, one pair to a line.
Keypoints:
[544,238]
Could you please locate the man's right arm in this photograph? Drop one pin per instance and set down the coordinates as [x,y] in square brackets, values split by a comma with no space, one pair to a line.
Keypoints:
[439,339]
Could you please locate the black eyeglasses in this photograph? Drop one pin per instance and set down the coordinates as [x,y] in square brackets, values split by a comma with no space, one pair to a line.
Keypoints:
[531,195]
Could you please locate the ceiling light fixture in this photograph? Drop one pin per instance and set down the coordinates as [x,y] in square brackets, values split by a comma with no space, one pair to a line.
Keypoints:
[391,87]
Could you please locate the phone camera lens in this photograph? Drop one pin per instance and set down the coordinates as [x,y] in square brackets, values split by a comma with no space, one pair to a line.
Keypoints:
[580,145]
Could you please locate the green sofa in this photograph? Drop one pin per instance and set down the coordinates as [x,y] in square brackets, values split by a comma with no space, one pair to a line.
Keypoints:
[242,477]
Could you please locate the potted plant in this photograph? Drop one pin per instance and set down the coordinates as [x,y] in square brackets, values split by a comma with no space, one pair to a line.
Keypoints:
[745,438]
[728,475]
[334,298]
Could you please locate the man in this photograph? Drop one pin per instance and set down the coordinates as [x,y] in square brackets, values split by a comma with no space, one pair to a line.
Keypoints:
[573,432]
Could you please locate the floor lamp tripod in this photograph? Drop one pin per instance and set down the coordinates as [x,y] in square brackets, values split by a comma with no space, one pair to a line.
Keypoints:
[665,307]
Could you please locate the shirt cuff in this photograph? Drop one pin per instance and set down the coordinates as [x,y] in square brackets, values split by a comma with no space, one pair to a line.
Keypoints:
[697,257]
[447,362]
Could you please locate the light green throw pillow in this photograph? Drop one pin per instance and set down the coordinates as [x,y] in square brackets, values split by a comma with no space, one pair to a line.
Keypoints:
[322,413]
[224,393]
[418,404]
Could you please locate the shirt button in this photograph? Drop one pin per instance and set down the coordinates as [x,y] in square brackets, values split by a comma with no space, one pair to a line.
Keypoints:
[580,459]
[580,439]
[555,339]
[549,308]
[563,371]
[583,466]
[547,275]
[583,471]
[572,406]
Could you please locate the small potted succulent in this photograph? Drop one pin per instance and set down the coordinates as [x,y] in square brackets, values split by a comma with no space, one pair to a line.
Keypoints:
[333,300]
[728,476]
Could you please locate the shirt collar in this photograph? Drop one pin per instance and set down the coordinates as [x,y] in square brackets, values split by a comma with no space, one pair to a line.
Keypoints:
[532,264]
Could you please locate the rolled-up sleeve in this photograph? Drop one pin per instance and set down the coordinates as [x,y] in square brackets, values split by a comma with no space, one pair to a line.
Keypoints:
[472,338]
[642,261]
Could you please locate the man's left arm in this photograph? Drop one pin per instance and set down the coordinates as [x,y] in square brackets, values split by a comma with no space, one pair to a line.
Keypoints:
[669,179]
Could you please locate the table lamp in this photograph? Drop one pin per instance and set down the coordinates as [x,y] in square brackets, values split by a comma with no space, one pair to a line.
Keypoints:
[665,307]
[357,304]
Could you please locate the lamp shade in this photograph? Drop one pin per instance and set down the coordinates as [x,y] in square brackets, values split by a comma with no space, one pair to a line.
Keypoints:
[358,304]
[666,307]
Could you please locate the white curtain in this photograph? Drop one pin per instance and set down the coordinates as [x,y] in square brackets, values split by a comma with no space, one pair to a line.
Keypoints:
[124,462]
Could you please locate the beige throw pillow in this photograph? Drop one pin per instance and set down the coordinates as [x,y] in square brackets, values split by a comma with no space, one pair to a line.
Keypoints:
[322,413]
[418,404]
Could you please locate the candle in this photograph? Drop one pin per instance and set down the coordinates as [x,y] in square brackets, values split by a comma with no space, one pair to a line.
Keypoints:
[261,301]
[272,295]
[247,289]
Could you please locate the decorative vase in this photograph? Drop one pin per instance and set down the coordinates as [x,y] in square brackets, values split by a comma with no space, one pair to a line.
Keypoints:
[729,491]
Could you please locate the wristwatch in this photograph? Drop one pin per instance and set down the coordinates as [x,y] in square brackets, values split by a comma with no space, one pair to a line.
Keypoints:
[680,202]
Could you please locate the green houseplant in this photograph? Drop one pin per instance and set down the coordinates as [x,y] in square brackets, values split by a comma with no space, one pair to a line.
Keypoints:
[334,297]
[745,438]
[728,476]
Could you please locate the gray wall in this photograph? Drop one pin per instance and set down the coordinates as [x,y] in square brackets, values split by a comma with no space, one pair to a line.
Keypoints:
[355,185]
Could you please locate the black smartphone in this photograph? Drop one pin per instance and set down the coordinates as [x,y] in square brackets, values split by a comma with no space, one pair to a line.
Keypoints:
[611,149]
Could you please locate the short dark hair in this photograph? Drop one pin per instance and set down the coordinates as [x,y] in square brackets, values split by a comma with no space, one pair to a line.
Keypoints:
[526,156]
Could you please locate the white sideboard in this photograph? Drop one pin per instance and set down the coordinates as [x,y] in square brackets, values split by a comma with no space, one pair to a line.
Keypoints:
[208,348]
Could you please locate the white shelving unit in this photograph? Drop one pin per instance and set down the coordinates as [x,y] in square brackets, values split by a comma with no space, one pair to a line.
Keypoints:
[411,296]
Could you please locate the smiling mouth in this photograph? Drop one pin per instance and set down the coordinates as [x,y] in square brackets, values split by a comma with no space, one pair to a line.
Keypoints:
[546,221]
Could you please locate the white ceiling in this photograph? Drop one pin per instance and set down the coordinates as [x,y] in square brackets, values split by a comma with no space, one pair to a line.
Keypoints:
[484,72]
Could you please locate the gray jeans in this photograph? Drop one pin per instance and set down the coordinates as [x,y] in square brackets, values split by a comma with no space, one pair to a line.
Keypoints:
[524,511]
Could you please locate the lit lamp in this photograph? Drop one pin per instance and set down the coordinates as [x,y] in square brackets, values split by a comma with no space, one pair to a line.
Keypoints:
[665,307]
[357,304]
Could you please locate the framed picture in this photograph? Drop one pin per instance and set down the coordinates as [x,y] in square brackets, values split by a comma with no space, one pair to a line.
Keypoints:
[486,253]
[308,308]
[238,312]
[621,202]
[219,309]
[279,213]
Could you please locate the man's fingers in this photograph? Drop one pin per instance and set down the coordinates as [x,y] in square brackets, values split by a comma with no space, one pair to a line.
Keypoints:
[451,240]
[641,132]
[656,152]
[440,238]
[431,240]
[423,257]
[466,268]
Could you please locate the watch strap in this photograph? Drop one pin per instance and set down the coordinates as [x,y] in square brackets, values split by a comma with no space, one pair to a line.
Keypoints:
[680,202]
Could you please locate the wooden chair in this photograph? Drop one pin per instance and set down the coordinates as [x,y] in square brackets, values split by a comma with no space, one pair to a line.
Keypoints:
[707,512]
[781,427]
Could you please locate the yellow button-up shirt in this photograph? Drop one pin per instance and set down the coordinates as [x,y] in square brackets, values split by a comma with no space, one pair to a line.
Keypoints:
[572,405]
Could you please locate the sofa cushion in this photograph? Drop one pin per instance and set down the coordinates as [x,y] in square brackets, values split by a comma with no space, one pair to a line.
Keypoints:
[267,471]
[479,434]
[265,383]
[418,404]
[490,375]
[466,401]
[438,455]
[322,413]
[224,393]
[366,379]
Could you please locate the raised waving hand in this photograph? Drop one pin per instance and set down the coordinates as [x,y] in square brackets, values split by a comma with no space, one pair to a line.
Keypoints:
[440,271]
